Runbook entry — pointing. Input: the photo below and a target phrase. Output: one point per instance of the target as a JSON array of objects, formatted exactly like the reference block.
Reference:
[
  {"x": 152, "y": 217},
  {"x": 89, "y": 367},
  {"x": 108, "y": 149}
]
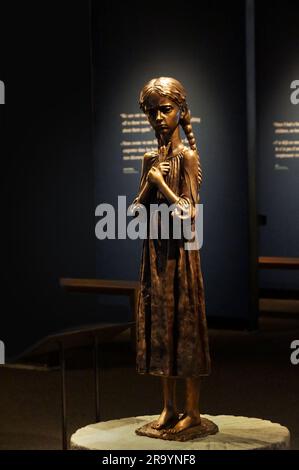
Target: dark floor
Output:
[{"x": 252, "y": 375}]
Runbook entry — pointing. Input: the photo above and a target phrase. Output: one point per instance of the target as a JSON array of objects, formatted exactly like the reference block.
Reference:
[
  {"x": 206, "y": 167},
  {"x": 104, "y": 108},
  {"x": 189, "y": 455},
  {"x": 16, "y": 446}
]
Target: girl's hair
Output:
[{"x": 174, "y": 90}]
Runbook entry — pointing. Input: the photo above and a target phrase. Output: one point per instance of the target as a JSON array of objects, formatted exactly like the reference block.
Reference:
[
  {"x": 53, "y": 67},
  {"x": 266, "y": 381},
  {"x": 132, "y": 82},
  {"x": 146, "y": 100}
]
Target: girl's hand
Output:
[
  {"x": 155, "y": 176},
  {"x": 164, "y": 167}
]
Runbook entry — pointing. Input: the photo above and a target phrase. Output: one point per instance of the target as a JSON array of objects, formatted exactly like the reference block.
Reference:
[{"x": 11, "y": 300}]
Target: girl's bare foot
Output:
[
  {"x": 187, "y": 421},
  {"x": 167, "y": 417}
]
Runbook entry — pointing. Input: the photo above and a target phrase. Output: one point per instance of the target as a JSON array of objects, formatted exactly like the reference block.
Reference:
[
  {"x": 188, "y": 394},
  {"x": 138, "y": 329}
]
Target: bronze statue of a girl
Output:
[{"x": 172, "y": 339}]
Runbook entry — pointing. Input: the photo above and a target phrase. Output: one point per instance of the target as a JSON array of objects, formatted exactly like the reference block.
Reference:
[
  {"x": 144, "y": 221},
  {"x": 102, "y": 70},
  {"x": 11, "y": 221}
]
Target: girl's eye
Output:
[{"x": 166, "y": 109}]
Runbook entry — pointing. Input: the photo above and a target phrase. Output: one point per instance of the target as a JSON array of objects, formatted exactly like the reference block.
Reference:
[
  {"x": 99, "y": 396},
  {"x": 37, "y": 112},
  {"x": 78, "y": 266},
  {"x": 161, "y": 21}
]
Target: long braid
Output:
[{"x": 187, "y": 128}]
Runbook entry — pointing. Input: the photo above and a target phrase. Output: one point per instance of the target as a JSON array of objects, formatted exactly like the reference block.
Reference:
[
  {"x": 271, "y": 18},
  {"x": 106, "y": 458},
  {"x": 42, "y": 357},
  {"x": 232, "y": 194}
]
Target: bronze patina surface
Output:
[
  {"x": 204, "y": 429},
  {"x": 172, "y": 337}
]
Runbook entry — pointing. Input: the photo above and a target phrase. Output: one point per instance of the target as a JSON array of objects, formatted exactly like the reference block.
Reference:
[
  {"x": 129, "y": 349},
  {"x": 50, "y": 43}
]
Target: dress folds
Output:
[{"x": 172, "y": 338}]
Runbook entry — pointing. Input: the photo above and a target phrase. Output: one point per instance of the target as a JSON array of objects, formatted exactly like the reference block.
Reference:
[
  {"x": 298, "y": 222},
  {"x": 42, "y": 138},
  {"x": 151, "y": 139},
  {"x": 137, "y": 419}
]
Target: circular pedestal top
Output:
[{"x": 235, "y": 433}]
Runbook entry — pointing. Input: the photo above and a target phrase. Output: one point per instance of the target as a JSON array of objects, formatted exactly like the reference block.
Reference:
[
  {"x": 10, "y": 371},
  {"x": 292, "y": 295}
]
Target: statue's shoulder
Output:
[
  {"x": 150, "y": 155},
  {"x": 190, "y": 155},
  {"x": 149, "y": 158},
  {"x": 147, "y": 161}
]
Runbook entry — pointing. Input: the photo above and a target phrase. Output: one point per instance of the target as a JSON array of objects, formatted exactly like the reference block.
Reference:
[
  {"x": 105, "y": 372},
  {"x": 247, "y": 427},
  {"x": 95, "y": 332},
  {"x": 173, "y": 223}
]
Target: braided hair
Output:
[{"x": 174, "y": 90}]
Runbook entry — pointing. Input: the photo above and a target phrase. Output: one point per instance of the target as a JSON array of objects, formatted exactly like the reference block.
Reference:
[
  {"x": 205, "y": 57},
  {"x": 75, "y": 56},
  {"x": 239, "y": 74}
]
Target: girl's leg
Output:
[
  {"x": 191, "y": 416},
  {"x": 169, "y": 412}
]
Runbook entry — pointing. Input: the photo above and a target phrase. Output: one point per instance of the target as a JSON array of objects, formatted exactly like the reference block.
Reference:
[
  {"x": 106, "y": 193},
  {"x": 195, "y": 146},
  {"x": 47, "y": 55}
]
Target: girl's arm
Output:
[
  {"x": 149, "y": 162},
  {"x": 145, "y": 186},
  {"x": 155, "y": 177},
  {"x": 188, "y": 198}
]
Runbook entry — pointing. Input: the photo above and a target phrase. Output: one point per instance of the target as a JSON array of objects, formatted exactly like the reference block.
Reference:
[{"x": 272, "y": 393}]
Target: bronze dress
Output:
[{"x": 172, "y": 337}]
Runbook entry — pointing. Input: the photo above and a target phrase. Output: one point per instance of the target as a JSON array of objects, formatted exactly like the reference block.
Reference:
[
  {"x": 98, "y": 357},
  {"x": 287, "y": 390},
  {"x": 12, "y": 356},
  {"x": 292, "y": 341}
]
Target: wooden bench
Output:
[
  {"x": 276, "y": 300},
  {"x": 274, "y": 262},
  {"x": 110, "y": 287},
  {"x": 105, "y": 286}
]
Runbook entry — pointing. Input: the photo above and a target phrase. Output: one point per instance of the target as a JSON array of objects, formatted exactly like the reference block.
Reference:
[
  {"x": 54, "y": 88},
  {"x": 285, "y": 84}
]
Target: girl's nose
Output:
[{"x": 159, "y": 117}]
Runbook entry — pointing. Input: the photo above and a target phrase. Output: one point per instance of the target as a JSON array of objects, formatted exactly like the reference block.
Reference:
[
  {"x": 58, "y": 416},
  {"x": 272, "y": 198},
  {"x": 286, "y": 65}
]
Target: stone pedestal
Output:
[{"x": 235, "y": 433}]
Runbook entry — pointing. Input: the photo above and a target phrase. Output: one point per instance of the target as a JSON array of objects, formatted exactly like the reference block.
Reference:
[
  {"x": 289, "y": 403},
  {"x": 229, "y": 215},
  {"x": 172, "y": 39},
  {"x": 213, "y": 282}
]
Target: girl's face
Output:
[{"x": 163, "y": 114}]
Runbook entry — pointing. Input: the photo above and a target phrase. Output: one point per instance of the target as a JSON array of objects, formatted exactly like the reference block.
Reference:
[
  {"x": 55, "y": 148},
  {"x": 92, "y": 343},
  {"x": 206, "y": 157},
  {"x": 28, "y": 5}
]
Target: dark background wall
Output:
[
  {"x": 277, "y": 48},
  {"x": 207, "y": 53},
  {"x": 48, "y": 182},
  {"x": 53, "y": 176}
]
